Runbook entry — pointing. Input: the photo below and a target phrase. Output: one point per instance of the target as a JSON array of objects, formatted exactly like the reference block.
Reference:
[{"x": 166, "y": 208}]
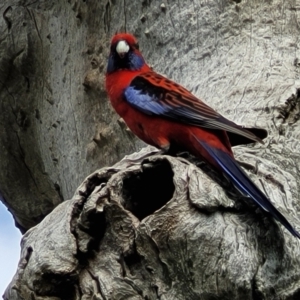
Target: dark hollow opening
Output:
[
  {"x": 96, "y": 229},
  {"x": 94, "y": 223},
  {"x": 147, "y": 191},
  {"x": 133, "y": 262},
  {"x": 62, "y": 286}
]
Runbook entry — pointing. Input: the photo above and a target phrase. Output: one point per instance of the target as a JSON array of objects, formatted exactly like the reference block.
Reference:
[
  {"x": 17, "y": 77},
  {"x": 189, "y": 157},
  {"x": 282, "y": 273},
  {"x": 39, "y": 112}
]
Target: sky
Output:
[{"x": 10, "y": 238}]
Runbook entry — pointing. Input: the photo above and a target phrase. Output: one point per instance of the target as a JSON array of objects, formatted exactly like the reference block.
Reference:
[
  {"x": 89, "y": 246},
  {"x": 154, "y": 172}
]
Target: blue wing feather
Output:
[
  {"x": 153, "y": 94},
  {"x": 146, "y": 94},
  {"x": 243, "y": 183}
]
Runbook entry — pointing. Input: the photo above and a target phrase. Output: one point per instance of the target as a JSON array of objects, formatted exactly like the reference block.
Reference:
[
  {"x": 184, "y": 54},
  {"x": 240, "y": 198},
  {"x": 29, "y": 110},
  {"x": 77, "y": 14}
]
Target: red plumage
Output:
[
  {"x": 155, "y": 130},
  {"x": 162, "y": 113}
]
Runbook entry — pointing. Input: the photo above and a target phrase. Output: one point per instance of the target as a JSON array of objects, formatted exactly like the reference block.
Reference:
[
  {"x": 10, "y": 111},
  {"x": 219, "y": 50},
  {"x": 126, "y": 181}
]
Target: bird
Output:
[{"x": 164, "y": 114}]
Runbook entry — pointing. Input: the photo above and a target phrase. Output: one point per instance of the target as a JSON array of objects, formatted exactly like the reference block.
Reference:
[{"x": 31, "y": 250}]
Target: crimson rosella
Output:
[{"x": 164, "y": 114}]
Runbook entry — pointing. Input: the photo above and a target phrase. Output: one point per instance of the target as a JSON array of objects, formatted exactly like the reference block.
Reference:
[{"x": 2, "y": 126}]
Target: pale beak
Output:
[{"x": 122, "y": 48}]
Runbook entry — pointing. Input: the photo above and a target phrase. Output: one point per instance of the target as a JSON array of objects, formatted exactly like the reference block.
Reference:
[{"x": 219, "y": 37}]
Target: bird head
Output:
[{"x": 124, "y": 54}]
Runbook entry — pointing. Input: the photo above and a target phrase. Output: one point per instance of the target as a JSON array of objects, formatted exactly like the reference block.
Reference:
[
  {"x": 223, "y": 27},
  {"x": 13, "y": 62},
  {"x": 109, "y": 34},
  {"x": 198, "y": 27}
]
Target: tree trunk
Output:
[{"x": 151, "y": 226}]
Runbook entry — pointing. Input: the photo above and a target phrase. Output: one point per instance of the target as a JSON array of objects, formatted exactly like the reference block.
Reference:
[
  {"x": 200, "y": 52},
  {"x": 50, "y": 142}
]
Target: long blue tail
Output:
[{"x": 241, "y": 181}]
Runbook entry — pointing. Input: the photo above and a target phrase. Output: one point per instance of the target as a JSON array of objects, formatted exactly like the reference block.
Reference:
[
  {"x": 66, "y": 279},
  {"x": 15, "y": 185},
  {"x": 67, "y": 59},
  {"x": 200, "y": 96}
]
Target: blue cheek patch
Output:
[
  {"x": 110, "y": 65},
  {"x": 135, "y": 61},
  {"x": 132, "y": 62}
]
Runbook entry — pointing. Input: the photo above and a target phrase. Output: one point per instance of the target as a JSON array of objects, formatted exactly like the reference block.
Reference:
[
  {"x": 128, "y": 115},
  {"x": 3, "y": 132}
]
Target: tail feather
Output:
[{"x": 241, "y": 181}]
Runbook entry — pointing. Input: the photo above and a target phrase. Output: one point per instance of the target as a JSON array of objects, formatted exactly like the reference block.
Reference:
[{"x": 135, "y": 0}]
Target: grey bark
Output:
[
  {"x": 56, "y": 123},
  {"x": 56, "y": 126},
  {"x": 156, "y": 227}
]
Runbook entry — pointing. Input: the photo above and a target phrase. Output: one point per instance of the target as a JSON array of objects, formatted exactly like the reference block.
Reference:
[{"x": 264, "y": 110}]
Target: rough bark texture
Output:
[
  {"x": 56, "y": 124},
  {"x": 56, "y": 127},
  {"x": 156, "y": 227}
]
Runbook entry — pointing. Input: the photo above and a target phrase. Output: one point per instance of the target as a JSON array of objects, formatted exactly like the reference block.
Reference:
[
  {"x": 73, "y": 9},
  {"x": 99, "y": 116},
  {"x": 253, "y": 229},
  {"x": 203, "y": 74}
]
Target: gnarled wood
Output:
[
  {"x": 157, "y": 227},
  {"x": 56, "y": 127}
]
